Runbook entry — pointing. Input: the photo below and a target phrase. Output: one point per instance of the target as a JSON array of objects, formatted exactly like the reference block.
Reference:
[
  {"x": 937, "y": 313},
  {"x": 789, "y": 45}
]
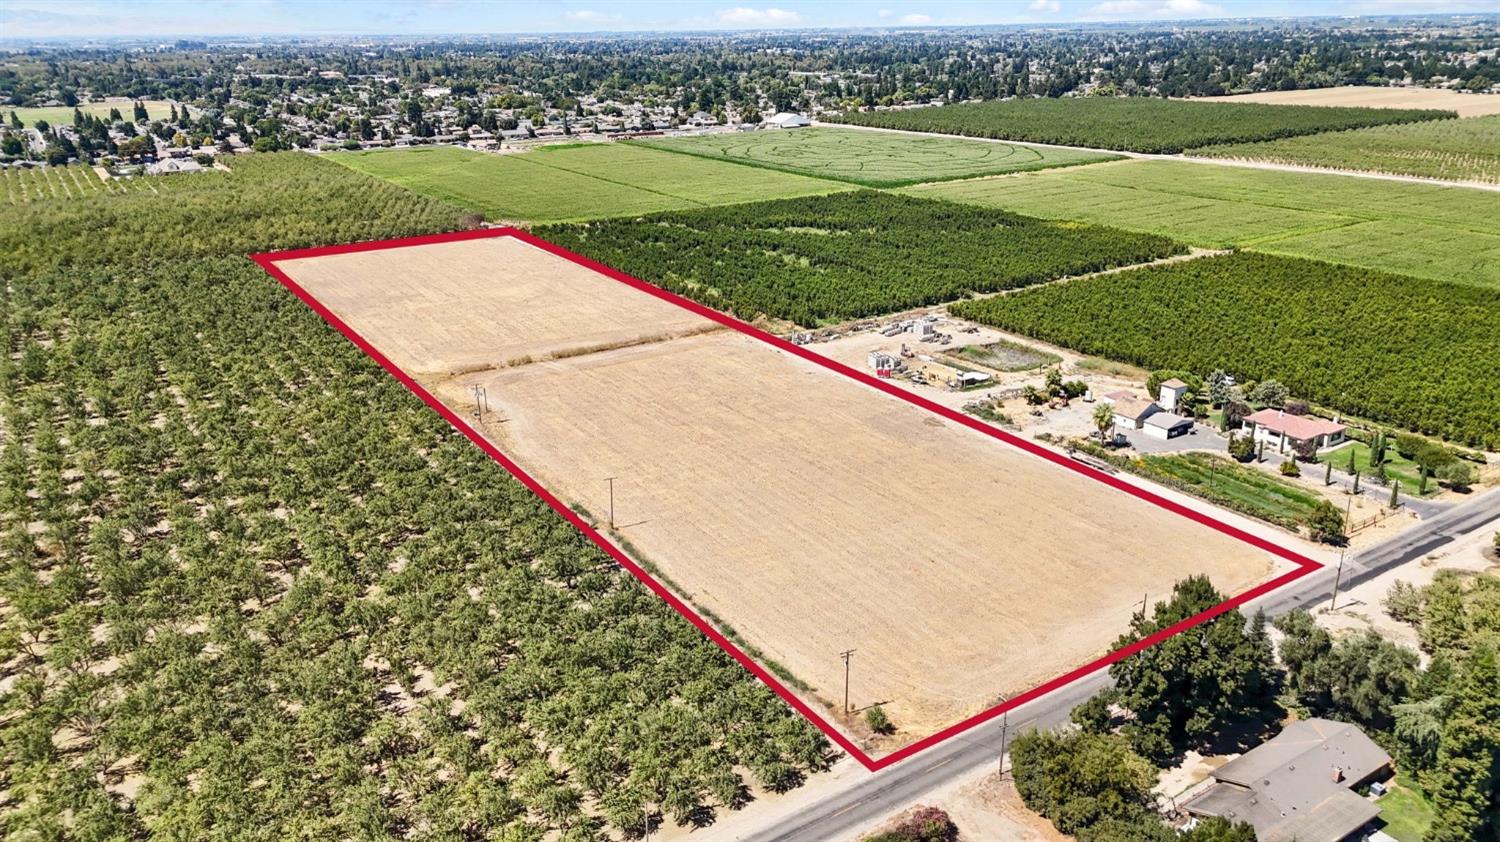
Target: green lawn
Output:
[
  {"x": 1429, "y": 231},
  {"x": 1397, "y": 467},
  {"x": 1406, "y": 811},
  {"x": 874, "y": 159},
  {"x": 58, "y": 114},
  {"x": 1464, "y": 150},
  {"x": 578, "y": 181}
]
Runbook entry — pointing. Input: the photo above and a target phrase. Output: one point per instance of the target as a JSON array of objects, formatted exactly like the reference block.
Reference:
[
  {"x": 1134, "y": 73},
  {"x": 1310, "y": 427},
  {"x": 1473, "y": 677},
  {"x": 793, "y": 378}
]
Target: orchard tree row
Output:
[
  {"x": 1416, "y": 354},
  {"x": 849, "y": 255},
  {"x": 1138, "y": 124},
  {"x": 254, "y": 588}
]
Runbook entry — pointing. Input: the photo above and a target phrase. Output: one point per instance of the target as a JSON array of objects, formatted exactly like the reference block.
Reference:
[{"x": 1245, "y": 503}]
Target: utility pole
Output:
[
  {"x": 846, "y": 654},
  {"x": 1004, "y": 728},
  {"x": 1333, "y": 603},
  {"x": 611, "y": 481},
  {"x": 481, "y": 401},
  {"x": 1143, "y": 604}
]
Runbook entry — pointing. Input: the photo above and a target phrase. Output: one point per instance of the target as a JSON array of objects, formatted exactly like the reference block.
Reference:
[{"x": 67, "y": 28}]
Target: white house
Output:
[
  {"x": 1131, "y": 413},
  {"x": 787, "y": 120},
  {"x": 1285, "y": 432},
  {"x": 1169, "y": 393}
]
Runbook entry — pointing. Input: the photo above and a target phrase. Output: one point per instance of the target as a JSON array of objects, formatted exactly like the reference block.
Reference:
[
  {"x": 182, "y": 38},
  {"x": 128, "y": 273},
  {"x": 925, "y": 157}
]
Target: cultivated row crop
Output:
[
  {"x": 1137, "y": 124},
  {"x": 1418, "y": 354},
  {"x": 849, "y": 255},
  {"x": 1461, "y": 150}
]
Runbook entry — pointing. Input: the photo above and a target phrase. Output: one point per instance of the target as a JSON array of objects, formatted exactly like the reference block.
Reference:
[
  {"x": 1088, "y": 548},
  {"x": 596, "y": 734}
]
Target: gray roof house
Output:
[{"x": 1299, "y": 786}]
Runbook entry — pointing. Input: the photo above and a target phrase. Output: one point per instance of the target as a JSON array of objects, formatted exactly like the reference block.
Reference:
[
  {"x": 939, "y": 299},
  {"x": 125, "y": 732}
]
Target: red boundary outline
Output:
[{"x": 1304, "y": 565}]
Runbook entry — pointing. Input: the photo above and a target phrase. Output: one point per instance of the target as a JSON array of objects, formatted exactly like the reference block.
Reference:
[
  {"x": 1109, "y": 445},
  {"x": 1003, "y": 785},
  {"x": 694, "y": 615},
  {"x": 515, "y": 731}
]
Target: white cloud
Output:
[
  {"x": 591, "y": 16},
  {"x": 1156, "y": 8},
  {"x": 916, "y": 19},
  {"x": 1049, "y": 6},
  {"x": 884, "y": 13},
  {"x": 758, "y": 17}
]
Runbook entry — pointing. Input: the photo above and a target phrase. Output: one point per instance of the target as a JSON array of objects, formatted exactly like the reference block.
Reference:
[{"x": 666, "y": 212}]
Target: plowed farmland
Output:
[{"x": 806, "y": 511}]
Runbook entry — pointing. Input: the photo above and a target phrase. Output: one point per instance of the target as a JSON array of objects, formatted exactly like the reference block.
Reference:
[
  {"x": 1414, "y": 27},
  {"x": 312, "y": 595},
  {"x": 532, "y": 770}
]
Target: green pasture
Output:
[
  {"x": 576, "y": 181},
  {"x": 156, "y": 109},
  {"x": 874, "y": 159},
  {"x": 1430, "y": 231}
]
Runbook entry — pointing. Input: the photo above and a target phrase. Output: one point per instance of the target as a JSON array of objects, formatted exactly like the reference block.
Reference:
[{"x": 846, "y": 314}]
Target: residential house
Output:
[
  {"x": 1287, "y": 432},
  {"x": 1300, "y": 784}
]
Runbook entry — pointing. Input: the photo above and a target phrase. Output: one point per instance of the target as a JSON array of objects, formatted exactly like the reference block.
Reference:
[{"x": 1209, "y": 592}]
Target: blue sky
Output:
[{"x": 92, "y": 18}]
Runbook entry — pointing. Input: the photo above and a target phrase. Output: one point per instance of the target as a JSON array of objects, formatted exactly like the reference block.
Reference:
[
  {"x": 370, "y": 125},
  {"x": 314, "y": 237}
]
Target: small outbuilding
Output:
[
  {"x": 1165, "y": 425},
  {"x": 1131, "y": 413},
  {"x": 787, "y": 120},
  {"x": 1170, "y": 393}
]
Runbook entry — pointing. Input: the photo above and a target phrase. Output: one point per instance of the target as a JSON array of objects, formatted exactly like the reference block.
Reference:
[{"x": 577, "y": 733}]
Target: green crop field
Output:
[
  {"x": 874, "y": 159},
  {"x": 60, "y": 114},
  {"x": 576, "y": 181},
  {"x": 1430, "y": 231},
  {"x": 1137, "y": 124},
  {"x": 1459, "y": 150},
  {"x": 1413, "y": 353},
  {"x": 849, "y": 255}
]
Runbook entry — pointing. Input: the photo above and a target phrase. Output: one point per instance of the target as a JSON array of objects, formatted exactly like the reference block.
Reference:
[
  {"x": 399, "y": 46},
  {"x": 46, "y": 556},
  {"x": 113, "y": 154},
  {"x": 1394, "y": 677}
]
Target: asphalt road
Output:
[{"x": 892, "y": 789}]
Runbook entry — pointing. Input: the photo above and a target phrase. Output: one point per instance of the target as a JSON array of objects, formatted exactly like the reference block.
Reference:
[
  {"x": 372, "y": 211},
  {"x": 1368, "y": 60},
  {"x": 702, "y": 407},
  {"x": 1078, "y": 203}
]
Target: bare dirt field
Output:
[
  {"x": 808, "y": 511},
  {"x": 1467, "y": 105},
  {"x": 449, "y": 307}
]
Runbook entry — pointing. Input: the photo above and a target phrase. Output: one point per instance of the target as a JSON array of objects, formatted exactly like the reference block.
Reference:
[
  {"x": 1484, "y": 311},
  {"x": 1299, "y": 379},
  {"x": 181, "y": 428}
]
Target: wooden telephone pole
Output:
[
  {"x": 846, "y": 654},
  {"x": 1333, "y": 603}
]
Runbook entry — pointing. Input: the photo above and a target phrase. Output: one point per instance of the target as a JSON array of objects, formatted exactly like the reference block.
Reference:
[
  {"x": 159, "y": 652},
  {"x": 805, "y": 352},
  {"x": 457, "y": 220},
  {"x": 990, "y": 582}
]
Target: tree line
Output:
[
  {"x": 848, "y": 255},
  {"x": 1413, "y": 353}
]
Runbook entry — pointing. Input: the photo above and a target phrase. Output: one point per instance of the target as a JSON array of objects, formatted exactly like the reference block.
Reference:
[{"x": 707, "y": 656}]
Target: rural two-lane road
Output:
[{"x": 892, "y": 789}]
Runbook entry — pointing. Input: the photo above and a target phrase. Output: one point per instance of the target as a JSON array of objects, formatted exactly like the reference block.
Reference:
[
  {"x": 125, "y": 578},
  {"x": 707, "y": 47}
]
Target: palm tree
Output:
[{"x": 1104, "y": 418}]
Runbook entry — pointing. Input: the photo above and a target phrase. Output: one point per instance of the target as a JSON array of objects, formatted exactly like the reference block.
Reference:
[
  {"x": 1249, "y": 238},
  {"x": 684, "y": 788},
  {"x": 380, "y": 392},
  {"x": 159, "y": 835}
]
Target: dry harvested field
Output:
[
  {"x": 1355, "y": 96},
  {"x": 440, "y": 310},
  {"x": 808, "y": 511}
]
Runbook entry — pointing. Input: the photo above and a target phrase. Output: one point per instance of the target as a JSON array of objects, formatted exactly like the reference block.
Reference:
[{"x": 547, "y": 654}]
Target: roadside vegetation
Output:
[
  {"x": 1396, "y": 350},
  {"x": 1223, "y": 482},
  {"x": 1458, "y": 150},
  {"x": 1136, "y": 124},
  {"x": 848, "y": 255},
  {"x": 1425, "y": 230},
  {"x": 255, "y": 586},
  {"x": 1222, "y": 686},
  {"x": 874, "y": 159}
]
